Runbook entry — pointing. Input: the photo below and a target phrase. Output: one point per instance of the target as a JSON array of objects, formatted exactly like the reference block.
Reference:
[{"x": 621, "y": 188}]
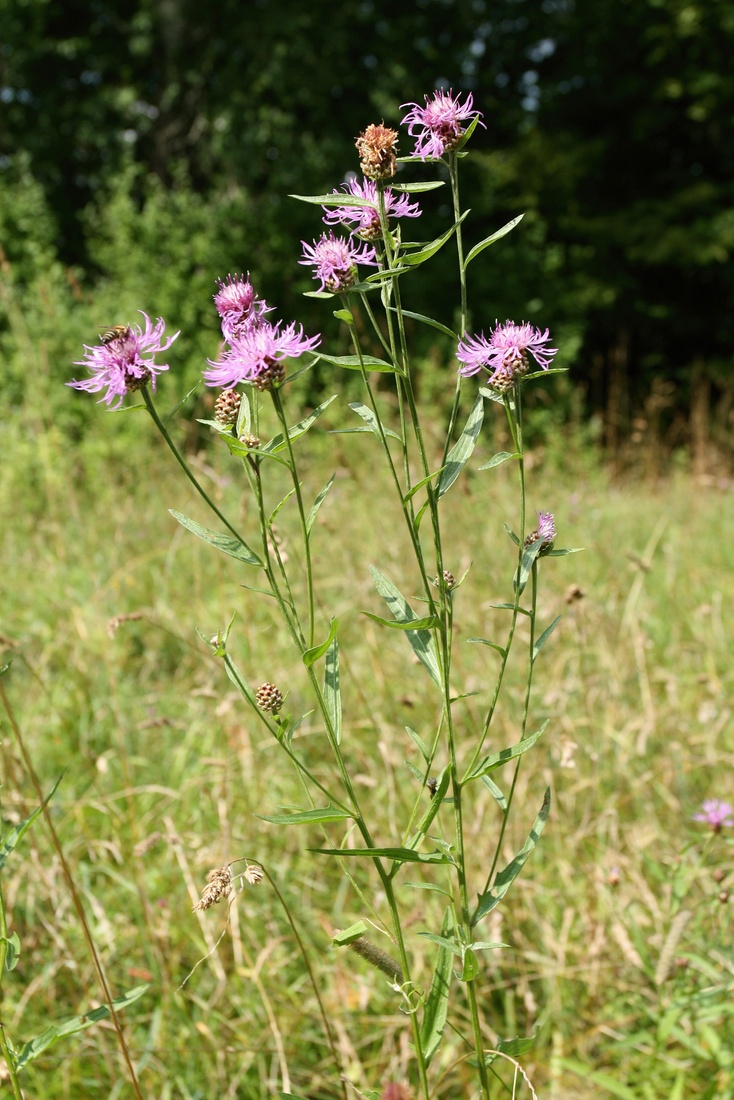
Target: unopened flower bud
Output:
[
  {"x": 269, "y": 698},
  {"x": 378, "y": 147},
  {"x": 227, "y": 406}
]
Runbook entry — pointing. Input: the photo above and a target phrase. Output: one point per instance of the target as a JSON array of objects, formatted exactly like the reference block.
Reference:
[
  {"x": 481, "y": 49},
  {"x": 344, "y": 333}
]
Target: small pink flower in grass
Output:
[
  {"x": 124, "y": 362},
  {"x": 238, "y": 305},
  {"x": 506, "y": 352},
  {"x": 335, "y": 260},
  {"x": 545, "y": 531},
  {"x": 365, "y": 220},
  {"x": 437, "y": 126},
  {"x": 716, "y": 814},
  {"x": 256, "y": 355}
]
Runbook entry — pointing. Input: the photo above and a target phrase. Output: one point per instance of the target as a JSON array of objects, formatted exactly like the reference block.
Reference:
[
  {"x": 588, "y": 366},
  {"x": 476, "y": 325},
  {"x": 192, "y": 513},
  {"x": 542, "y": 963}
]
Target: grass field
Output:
[{"x": 619, "y": 948}]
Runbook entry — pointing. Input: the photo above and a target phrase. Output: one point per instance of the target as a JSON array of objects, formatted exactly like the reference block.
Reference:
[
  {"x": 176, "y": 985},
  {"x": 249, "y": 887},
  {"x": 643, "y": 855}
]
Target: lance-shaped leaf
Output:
[
  {"x": 312, "y": 655},
  {"x": 52, "y": 1034},
  {"x": 17, "y": 833},
  {"x": 341, "y": 198},
  {"x": 306, "y": 817},
  {"x": 437, "y": 1002},
  {"x": 499, "y": 458},
  {"x": 527, "y": 561},
  {"x": 228, "y": 544},
  {"x": 418, "y": 740},
  {"x": 370, "y": 420},
  {"x": 277, "y": 443},
  {"x": 355, "y": 362},
  {"x": 490, "y": 240},
  {"x": 421, "y": 641},
  {"x": 428, "y": 321},
  {"x": 488, "y": 901},
  {"x": 412, "y": 259},
  {"x": 462, "y": 449},
  {"x": 317, "y": 504},
  {"x": 415, "y": 188},
  {"x": 332, "y": 690},
  {"x": 419, "y": 485},
  {"x": 428, "y": 622},
  {"x": 545, "y": 636},
  {"x": 400, "y": 855},
  {"x": 437, "y": 797},
  {"x": 497, "y": 759}
]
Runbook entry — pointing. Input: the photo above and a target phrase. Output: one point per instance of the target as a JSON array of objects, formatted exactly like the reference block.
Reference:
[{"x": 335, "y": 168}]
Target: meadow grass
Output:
[{"x": 618, "y": 946}]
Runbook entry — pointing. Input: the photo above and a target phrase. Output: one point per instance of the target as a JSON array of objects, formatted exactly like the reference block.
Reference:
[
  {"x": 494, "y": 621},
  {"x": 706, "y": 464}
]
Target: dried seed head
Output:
[
  {"x": 227, "y": 406},
  {"x": 219, "y": 884},
  {"x": 269, "y": 698},
  {"x": 378, "y": 147},
  {"x": 253, "y": 874}
]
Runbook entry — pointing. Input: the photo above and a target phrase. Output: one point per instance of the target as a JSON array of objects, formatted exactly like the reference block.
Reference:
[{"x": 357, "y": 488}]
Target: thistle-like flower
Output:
[
  {"x": 716, "y": 814},
  {"x": 505, "y": 353},
  {"x": 124, "y": 361},
  {"x": 335, "y": 259},
  {"x": 437, "y": 126},
  {"x": 378, "y": 149},
  {"x": 365, "y": 220},
  {"x": 256, "y": 355},
  {"x": 546, "y": 530},
  {"x": 238, "y": 305}
]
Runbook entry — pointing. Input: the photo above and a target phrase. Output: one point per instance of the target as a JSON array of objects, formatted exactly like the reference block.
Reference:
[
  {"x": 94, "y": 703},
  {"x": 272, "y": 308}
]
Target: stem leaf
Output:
[
  {"x": 503, "y": 881},
  {"x": 400, "y": 855},
  {"x": 370, "y": 420},
  {"x": 421, "y": 641},
  {"x": 228, "y": 544},
  {"x": 356, "y": 362},
  {"x": 412, "y": 259},
  {"x": 18, "y": 831},
  {"x": 507, "y": 228},
  {"x": 312, "y": 655},
  {"x": 496, "y": 793},
  {"x": 416, "y": 188},
  {"x": 437, "y": 1002},
  {"x": 431, "y": 810},
  {"x": 428, "y": 321},
  {"x": 418, "y": 740},
  {"x": 332, "y": 690},
  {"x": 430, "y": 622},
  {"x": 459, "y": 454},
  {"x": 497, "y": 759},
  {"x": 529, "y": 555},
  {"x": 277, "y": 443},
  {"x": 317, "y": 504},
  {"x": 485, "y": 641},
  {"x": 498, "y": 459},
  {"x": 306, "y": 817},
  {"x": 545, "y": 636}
]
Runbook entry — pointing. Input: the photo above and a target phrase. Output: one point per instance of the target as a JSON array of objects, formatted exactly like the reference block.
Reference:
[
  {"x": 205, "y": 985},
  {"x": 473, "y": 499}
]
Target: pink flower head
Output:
[
  {"x": 256, "y": 354},
  {"x": 335, "y": 260},
  {"x": 365, "y": 220},
  {"x": 716, "y": 814},
  {"x": 238, "y": 305},
  {"x": 546, "y": 526},
  {"x": 505, "y": 354},
  {"x": 437, "y": 126},
  {"x": 123, "y": 361}
]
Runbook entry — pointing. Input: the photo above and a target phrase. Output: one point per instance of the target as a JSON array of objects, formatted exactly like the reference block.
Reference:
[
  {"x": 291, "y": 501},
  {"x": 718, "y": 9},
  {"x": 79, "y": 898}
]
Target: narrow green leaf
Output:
[
  {"x": 348, "y": 935},
  {"x": 563, "y": 553},
  {"x": 418, "y": 740},
  {"x": 511, "y": 607},
  {"x": 545, "y": 636},
  {"x": 415, "y": 772},
  {"x": 485, "y": 641},
  {"x": 497, "y": 759},
  {"x": 429, "y": 622},
  {"x": 317, "y": 504},
  {"x": 428, "y": 321},
  {"x": 503, "y": 881},
  {"x": 529, "y": 555},
  {"x": 332, "y": 691},
  {"x": 514, "y": 1047},
  {"x": 340, "y": 198},
  {"x": 239, "y": 681},
  {"x": 312, "y": 655},
  {"x": 507, "y": 228},
  {"x": 354, "y": 362},
  {"x": 18, "y": 831},
  {"x": 370, "y": 420},
  {"x": 467, "y": 134},
  {"x": 345, "y": 315},
  {"x": 470, "y": 966},
  {"x": 431, "y": 810},
  {"x": 277, "y": 443},
  {"x": 31, "y": 1050},
  {"x": 512, "y": 534},
  {"x": 419, "y": 515},
  {"x": 412, "y": 259},
  {"x": 428, "y": 886},
  {"x": 306, "y": 817},
  {"x": 459, "y": 454},
  {"x": 496, "y": 793},
  {"x": 400, "y": 855},
  {"x": 286, "y": 735},
  {"x": 421, "y": 641},
  {"x": 437, "y": 1003},
  {"x": 416, "y": 188},
  {"x": 484, "y": 945},
  {"x": 500, "y": 457},
  {"x": 419, "y": 484},
  {"x": 448, "y": 942},
  {"x": 12, "y": 951},
  {"x": 228, "y": 544},
  {"x": 274, "y": 513}
]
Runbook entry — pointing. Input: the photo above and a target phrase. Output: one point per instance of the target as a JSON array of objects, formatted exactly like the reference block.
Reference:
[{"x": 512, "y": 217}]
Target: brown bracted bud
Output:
[
  {"x": 269, "y": 698},
  {"x": 219, "y": 884},
  {"x": 227, "y": 406},
  {"x": 271, "y": 376},
  {"x": 378, "y": 147}
]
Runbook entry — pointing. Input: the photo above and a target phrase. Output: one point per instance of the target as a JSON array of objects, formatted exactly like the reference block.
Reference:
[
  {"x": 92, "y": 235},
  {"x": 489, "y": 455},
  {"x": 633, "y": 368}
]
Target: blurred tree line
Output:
[{"x": 148, "y": 146}]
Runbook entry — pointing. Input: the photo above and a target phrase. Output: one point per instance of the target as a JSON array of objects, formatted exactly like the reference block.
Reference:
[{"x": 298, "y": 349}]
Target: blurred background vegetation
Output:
[{"x": 148, "y": 147}]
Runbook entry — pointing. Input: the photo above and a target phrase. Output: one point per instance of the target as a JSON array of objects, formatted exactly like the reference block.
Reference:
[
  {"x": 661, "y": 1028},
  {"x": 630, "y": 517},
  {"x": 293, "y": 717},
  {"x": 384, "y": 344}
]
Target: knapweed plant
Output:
[{"x": 363, "y": 265}]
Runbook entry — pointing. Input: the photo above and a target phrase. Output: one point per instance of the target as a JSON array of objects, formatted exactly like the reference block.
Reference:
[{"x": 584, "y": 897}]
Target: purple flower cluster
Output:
[
  {"x": 505, "y": 353},
  {"x": 256, "y": 348},
  {"x": 365, "y": 220},
  {"x": 335, "y": 259},
  {"x": 716, "y": 814},
  {"x": 123, "y": 361},
  {"x": 437, "y": 126}
]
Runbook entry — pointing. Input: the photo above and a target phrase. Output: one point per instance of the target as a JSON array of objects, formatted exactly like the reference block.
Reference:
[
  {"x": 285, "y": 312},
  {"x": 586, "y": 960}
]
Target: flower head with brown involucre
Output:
[{"x": 124, "y": 362}]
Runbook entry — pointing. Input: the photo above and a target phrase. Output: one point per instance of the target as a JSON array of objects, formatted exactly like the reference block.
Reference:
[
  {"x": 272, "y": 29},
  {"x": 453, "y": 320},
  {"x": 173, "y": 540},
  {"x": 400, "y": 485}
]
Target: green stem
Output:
[{"x": 4, "y": 1045}]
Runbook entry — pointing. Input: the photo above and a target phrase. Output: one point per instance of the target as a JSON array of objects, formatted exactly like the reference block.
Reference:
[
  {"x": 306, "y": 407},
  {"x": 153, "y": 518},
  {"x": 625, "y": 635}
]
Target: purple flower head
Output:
[
  {"x": 365, "y": 220},
  {"x": 238, "y": 305},
  {"x": 716, "y": 814},
  {"x": 256, "y": 355},
  {"x": 546, "y": 531},
  {"x": 335, "y": 260},
  {"x": 437, "y": 126},
  {"x": 505, "y": 354},
  {"x": 123, "y": 361}
]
